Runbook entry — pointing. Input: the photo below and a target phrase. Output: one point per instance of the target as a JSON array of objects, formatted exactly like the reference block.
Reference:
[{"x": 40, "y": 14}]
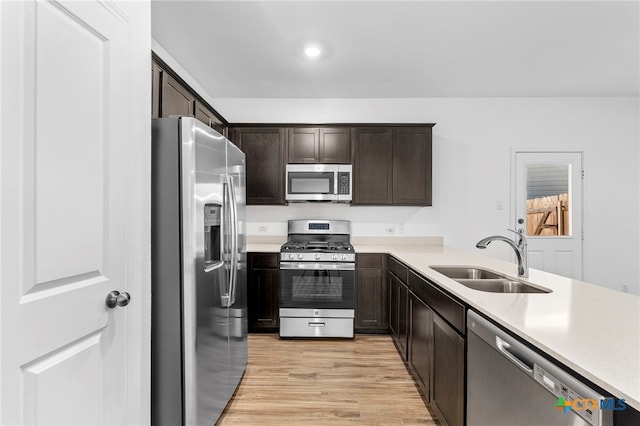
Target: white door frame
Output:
[{"x": 513, "y": 187}]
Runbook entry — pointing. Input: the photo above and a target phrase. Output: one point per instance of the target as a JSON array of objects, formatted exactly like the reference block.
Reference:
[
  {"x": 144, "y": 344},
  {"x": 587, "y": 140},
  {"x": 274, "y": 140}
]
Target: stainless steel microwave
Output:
[{"x": 319, "y": 182}]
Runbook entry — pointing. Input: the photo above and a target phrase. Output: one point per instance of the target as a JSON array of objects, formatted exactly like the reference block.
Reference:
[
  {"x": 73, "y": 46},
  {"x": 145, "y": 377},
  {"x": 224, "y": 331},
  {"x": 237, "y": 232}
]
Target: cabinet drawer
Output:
[
  {"x": 264, "y": 260},
  {"x": 370, "y": 261},
  {"x": 446, "y": 306},
  {"x": 316, "y": 327},
  {"x": 398, "y": 269}
]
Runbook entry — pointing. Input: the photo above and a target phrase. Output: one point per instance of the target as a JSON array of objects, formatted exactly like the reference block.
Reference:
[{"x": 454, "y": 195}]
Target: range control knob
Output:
[
  {"x": 291, "y": 256},
  {"x": 344, "y": 257},
  {"x": 300, "y": 256},
  {"x": 334, "y": 257},
  {"x": 317, "y": 256}
]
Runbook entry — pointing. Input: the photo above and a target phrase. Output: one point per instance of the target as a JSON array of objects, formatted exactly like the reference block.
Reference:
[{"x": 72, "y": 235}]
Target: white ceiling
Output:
[{"x": 399, "y": 49}]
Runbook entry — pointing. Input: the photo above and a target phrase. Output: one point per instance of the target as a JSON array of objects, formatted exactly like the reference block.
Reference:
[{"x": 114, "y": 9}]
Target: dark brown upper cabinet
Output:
[
  {"x": 319, "y": 145},
  {"x": 335, "y": 145},
  {"x": 170, "y": 95},
  {"x": 176, "y": 99},
  {"x": 264, "y": 149},
  {"x": 303, "y": 145},
  {"x": 392, "y": 166},
  {"x": 372, "y": 166},
  {"x": 412, "y": 166},
  {"x": 204, "y": 114},
  {"x": 156, "y": 75}
]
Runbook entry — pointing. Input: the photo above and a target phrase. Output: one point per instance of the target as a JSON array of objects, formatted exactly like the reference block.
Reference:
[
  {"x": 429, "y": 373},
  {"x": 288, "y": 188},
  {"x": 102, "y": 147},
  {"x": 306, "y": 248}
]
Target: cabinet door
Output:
[
  {"x": 303, "y": 145},
  {"x": 372, "y": 168},
  {"x": 176, "y": 99},
  {"x": 398, "y": 314},
  {"x": 263, "y": 292},
  {"x": 448, "y": 372},
  {"x": 204, "y": 114},
  {"x": 372, "y": 314},
  {"x": 420, "y": 347},
  {"x": 264, "y": 150},
  {"x": 392, "y": 282},
  {"x": 156, "y": 78},
  {"x": 210, "y": 118},
  {"x": 412, "y": 166},
  {"x": 403, "y": 303},
  {"x": 335, "y": 146}
]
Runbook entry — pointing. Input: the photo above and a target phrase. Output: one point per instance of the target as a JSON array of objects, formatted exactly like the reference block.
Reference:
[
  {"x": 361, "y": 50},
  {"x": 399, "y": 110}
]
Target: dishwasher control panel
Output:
[{"x": 587, "y": 408}]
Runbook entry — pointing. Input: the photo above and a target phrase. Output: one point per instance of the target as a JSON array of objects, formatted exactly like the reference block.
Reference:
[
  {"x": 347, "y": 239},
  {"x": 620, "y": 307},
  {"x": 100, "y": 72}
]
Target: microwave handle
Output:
[{"x": 336, "y": 184}]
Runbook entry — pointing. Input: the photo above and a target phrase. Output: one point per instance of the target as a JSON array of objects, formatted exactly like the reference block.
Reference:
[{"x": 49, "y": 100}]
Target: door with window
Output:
[{"x": 548, "y": 206}]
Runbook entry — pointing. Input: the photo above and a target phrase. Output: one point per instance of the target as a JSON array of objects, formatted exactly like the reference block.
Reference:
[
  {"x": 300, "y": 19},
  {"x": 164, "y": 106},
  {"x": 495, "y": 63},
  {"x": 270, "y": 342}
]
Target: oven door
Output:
[{"x": 323, "y": 285}]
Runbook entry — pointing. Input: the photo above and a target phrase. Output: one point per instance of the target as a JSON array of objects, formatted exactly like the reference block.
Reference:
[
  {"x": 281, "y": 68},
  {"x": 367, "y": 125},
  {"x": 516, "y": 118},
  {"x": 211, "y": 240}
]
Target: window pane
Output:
[{"x": 548, "y": 200}]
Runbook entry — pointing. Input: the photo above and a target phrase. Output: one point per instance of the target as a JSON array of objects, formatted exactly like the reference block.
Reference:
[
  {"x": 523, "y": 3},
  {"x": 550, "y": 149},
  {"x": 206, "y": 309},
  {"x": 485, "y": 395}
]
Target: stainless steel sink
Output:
[
  {"x": 485, "y": 280},
  {"x": 465, "y": 272}
]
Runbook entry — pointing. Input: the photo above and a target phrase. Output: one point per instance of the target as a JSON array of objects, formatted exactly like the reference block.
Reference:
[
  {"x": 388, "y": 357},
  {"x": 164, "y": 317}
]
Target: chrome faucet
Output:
[{"x": 519, "y": 246}]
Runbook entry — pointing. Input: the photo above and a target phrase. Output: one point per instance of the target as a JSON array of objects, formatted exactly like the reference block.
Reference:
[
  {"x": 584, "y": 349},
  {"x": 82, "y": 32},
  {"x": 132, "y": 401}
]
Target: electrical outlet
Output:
[
  {"x": 390, "y": 229},
  {"x": 499, "y": 205},
  {"x": 625, "y": 288},
  {"x": 262, "y": 228},
  {"x": 401, "y": 228}
]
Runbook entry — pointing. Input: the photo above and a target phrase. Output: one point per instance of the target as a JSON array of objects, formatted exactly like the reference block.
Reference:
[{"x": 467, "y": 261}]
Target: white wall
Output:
[{"x": 473, "y": 139}]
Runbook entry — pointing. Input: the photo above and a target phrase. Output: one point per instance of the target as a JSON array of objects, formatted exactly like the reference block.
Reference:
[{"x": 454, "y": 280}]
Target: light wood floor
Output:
[{"x": 318, "y": 382}]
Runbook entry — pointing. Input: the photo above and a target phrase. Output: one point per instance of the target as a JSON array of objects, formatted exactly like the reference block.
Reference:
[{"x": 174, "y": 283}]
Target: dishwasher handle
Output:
[{"x": 504, "y": 347}]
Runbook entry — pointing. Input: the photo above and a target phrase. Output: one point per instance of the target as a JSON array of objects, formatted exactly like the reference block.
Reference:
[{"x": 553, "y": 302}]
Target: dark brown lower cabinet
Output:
[
  {"x": 434, "y": 327},
  {"x": 420, "y": 347},
  {"x": 448, "y": 372},
  {"x": 263, "y": 289},
  {"x": 398, "y": 295},
  {"x": 372, "y": 314}
]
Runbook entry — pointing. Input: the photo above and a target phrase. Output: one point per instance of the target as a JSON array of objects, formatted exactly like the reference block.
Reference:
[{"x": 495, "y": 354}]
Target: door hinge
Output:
[{"x": 582, "y": 174}]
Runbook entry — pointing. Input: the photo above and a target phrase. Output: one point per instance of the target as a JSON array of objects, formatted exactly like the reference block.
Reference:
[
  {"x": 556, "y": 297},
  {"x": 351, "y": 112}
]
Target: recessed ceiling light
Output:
[{"x": 312, "y": 51}]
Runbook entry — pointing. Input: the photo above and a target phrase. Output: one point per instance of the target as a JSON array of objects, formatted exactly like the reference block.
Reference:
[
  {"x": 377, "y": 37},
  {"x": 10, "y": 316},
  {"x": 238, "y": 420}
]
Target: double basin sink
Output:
[{"x": 485, "y": 280}]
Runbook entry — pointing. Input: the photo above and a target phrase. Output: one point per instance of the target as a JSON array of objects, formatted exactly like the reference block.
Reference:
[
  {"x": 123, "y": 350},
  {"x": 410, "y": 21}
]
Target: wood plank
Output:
[
  {"x": 542, "y": 210},
  {"x": 325, "y": 381}
]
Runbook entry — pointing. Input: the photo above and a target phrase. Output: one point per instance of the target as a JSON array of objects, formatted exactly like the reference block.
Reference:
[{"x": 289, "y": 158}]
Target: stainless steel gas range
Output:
[{"x": 317, "y": 280}]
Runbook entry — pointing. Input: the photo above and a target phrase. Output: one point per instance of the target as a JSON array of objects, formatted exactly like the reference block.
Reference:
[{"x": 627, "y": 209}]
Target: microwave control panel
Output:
[{"x": 344, "y": 183}]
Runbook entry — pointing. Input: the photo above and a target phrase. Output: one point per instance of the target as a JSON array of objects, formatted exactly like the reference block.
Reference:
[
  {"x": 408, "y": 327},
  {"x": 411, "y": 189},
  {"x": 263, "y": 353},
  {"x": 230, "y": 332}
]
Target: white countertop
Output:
[{"x": 591, "y": 329}]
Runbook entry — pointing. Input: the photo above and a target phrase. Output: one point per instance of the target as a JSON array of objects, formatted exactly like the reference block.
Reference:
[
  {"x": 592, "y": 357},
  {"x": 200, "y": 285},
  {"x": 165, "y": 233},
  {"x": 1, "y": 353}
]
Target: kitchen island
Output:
[{"x": 590, "y": 329}]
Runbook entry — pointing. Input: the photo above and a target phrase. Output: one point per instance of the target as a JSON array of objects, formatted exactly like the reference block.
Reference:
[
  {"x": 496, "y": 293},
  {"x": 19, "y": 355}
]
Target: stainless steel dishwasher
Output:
[{"x": 509, "y": 384}]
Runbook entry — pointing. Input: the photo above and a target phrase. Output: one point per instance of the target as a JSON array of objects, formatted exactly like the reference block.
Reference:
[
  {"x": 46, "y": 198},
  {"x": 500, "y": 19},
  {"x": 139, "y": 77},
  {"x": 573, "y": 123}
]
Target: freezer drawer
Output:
[{"x": 316, "y": 327}]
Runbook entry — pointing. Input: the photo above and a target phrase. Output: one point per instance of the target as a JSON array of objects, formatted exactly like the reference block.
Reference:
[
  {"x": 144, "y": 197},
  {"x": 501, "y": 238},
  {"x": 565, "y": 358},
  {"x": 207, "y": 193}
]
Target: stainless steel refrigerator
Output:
[{"x": 199, "y": 302}]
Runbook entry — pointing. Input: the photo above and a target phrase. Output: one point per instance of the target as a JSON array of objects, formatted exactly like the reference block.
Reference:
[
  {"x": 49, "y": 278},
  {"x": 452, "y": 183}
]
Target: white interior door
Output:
[
  {"x": 548, "y": 205},
  {"x": 66, "y": 196}
]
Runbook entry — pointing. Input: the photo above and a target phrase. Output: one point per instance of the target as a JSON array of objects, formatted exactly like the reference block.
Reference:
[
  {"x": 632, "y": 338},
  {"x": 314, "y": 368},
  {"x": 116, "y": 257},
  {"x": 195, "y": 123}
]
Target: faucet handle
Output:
[{"x": 521, "y": 237}]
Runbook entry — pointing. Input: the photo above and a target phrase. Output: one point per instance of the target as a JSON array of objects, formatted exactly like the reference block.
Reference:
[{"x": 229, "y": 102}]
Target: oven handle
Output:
[{"x": 318, "y": 266}]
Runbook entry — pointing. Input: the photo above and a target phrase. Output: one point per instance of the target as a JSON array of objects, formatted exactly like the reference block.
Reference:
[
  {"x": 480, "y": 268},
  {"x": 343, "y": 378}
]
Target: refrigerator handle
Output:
[
  {"x": 225, "y": 242},
  {"x": 234, "y": 242}
]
